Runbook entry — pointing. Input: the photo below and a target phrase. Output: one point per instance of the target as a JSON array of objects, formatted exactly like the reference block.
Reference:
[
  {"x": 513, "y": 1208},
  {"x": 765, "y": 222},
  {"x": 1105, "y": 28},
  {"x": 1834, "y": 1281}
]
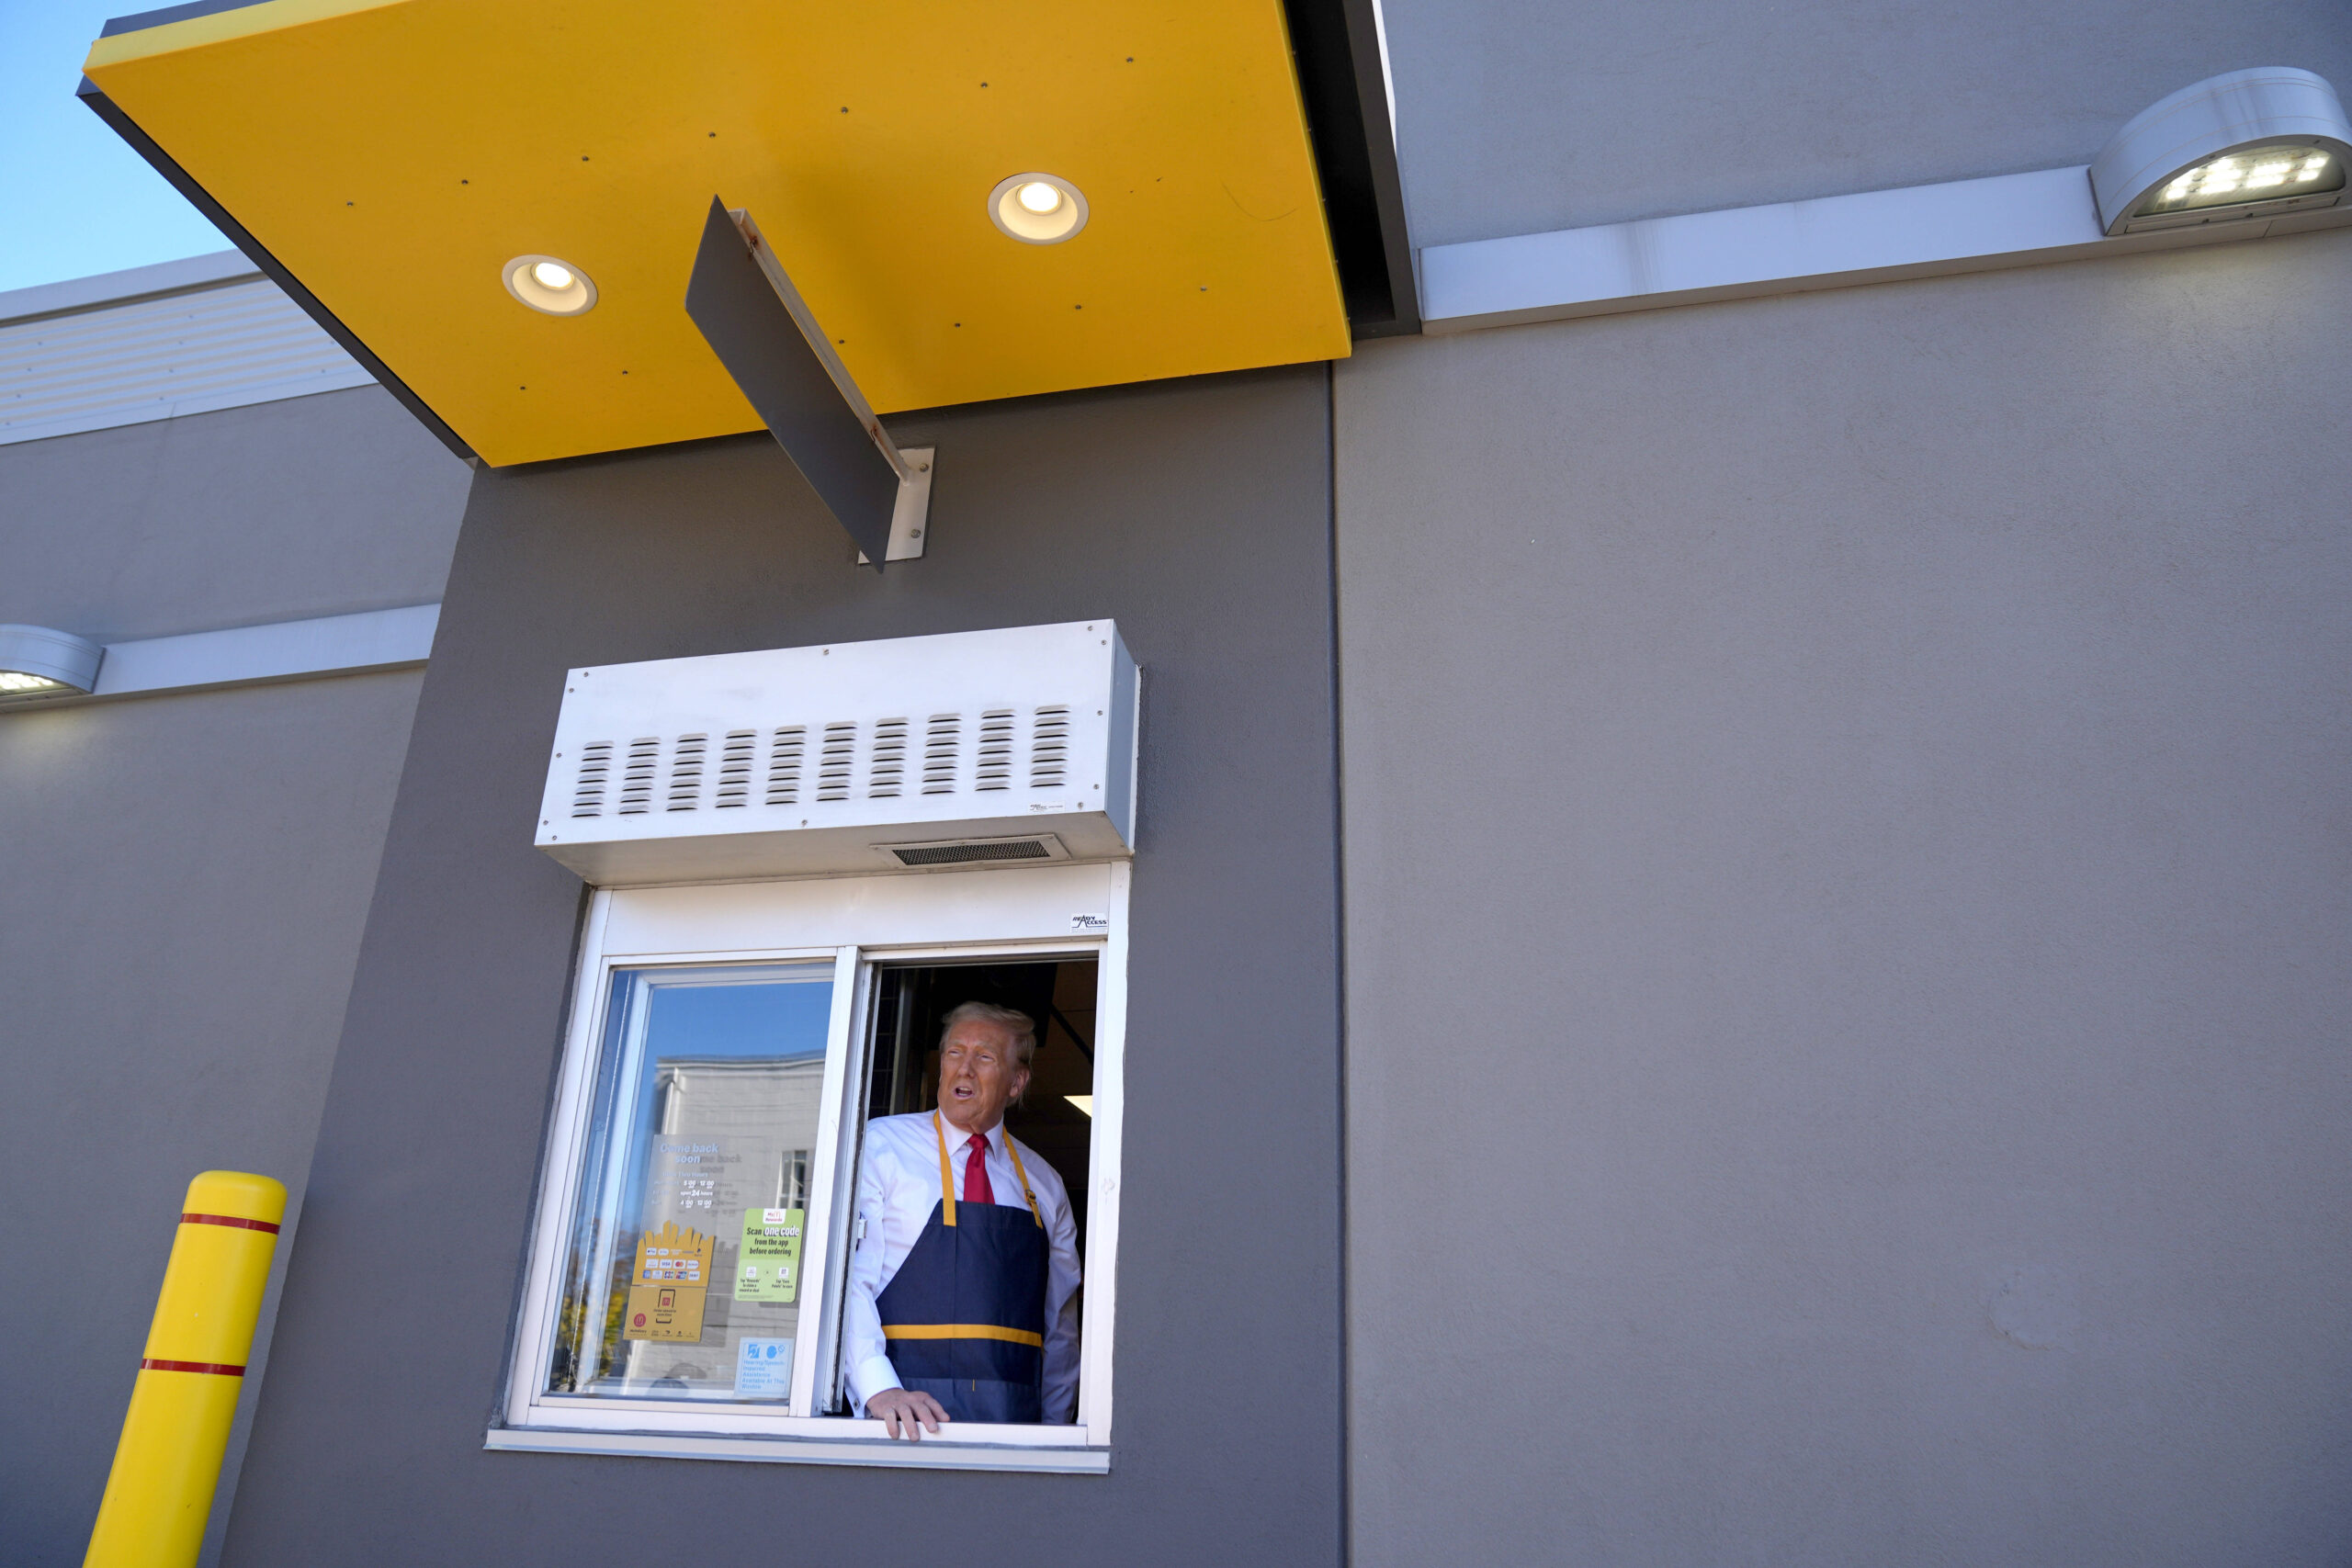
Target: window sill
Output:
[{"x": 932, "y": 1454}]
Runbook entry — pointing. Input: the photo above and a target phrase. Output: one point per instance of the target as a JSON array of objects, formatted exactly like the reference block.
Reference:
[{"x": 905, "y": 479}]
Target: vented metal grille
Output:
[
  {"x": 637, "y": 778},
  {"x": 588, "y": 790},
  {"x": 889, "y": 767},
  {"x": 767, "y": 766},
  {"x": 784, "y": 765},
  {"x": 941, "y": 742},
  {"x": 996, "y": 749},
  {"x": 1005, "y": 753},
  {"x": 835, "y": 763},
  {"x": 965, "y": 854},
  {"x": 735, "y": 768},
  {"x": 685, "y": 771},
  {"x": 1048, "y": 748}
]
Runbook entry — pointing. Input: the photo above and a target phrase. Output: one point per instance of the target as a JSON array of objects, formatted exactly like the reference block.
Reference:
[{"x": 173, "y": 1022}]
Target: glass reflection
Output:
[{"x": 684, "y": 1259}]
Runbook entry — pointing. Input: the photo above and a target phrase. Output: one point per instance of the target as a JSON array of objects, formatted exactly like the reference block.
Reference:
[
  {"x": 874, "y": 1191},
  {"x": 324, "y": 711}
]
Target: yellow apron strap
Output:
[
  {"x": 947, "y": 1177},
  {"x": 1014, "y": 1150}
]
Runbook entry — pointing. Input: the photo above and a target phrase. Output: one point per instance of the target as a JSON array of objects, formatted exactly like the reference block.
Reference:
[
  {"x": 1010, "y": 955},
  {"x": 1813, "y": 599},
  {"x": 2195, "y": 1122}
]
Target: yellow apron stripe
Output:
[{"x": 961, "y": 1331}]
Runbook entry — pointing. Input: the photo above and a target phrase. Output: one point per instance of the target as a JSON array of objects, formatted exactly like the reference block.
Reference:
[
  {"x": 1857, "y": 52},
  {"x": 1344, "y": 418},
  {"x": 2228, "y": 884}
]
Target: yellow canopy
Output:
[{"x": 395, "y": 156}]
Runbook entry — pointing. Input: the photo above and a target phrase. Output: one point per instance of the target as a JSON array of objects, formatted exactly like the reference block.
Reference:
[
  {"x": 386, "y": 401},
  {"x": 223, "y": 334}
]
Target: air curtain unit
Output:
[{"x": 967, "y": 750}]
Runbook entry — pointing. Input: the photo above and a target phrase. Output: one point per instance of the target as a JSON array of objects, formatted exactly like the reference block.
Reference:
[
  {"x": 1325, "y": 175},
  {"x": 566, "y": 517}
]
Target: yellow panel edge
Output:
[{"x": 244, "y": 22}]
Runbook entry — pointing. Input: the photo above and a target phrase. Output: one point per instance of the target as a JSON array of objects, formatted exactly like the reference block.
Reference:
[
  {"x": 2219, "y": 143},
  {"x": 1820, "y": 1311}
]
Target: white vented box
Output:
[{"x": 971, "y": 750}]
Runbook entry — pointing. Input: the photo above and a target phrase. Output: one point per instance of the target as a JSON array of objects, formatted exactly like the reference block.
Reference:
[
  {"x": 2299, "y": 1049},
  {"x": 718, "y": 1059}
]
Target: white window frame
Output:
[{"x": 1069, "y": 909}]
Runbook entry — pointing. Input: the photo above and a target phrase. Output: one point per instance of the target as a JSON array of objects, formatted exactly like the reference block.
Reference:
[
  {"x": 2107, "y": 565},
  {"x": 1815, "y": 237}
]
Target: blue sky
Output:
[{"x": 73, "y": 199}]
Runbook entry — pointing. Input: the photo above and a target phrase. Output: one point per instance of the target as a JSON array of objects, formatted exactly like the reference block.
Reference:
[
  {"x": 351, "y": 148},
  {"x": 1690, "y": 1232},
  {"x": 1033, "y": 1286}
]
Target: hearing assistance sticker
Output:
[{"x": 763, "y": 1369}]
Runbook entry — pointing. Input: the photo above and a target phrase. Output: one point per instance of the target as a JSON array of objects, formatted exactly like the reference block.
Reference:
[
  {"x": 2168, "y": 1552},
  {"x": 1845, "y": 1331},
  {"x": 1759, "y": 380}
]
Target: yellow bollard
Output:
[{"x": 160, "y": 1491}]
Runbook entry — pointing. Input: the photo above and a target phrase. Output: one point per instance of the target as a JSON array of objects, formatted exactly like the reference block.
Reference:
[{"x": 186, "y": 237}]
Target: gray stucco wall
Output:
[
  {"x": 1846, "y": 903},
  {"x": 1198, "y": 515},
  {"x": 184, "y": 878},
  {"x": 277, "y": 512}
]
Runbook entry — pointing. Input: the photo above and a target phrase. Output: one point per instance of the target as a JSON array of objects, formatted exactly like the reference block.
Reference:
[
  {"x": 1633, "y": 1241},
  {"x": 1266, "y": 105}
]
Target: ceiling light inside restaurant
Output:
[
  {"x": 40, "y": 661},
  {"x": 548, "y": 284},
  {"x": 1037, "y": 210},
  {"x": 2246, "y": 144}
]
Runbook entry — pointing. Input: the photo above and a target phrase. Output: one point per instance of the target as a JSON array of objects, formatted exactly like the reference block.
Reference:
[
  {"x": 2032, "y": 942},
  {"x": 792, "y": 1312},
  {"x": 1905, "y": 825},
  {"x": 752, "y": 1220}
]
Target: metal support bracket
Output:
[{"x": 911, "y": 517}]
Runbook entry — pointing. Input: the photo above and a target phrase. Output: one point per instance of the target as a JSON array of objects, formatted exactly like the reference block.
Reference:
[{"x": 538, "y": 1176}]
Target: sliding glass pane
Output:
[{"x": 682, "y": 1267}]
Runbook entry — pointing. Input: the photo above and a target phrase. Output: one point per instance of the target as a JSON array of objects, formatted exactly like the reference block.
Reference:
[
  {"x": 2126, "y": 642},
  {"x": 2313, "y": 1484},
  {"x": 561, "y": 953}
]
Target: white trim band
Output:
[
  {"x": 283, "y": 650},
  {"x": 931, "y": 1453},
  {"x": 1792, "y": 247},
  {"x": 252, "y": 656}
]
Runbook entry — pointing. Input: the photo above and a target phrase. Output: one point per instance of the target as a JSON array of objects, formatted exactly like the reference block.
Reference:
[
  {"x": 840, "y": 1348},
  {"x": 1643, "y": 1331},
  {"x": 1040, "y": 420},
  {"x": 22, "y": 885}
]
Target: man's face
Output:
[{"x": 977, "y": 1078}]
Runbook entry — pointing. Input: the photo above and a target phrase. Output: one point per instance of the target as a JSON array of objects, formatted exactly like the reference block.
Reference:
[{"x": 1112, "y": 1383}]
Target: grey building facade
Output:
[
  {"x": 1906, "y": 928},
  {"x": 188, "y": 867},
  {"x": 1738, "y": 909}
]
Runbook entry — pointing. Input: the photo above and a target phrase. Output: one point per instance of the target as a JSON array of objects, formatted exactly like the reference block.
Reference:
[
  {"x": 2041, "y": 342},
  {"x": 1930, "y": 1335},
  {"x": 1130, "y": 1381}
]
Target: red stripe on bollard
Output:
[
  {"x": 228, "y": 1220},
  {"x": 149, "y": 1364}
]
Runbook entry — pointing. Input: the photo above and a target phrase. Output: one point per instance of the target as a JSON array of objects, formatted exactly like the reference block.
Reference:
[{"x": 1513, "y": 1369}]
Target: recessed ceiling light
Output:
[
  {"x": 1036, "y": 210},
  {"x": 552, "y": 286}
]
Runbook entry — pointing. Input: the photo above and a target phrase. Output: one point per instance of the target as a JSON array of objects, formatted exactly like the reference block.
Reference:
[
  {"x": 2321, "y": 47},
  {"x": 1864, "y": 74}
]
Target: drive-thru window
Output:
[{"x": 692, "y": 1284}]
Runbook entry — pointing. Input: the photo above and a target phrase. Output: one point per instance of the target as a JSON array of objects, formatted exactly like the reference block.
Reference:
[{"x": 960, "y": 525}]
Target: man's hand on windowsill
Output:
[{"x": 905, "y": 1413}]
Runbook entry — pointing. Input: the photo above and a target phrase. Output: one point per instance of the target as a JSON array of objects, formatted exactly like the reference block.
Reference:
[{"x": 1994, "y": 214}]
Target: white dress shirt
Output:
[{"x": 897, "y": 1185}]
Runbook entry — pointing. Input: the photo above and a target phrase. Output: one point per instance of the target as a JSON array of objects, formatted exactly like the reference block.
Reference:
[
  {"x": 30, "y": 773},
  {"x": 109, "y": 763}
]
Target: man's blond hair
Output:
[{"x": 1022, "y": 1029}]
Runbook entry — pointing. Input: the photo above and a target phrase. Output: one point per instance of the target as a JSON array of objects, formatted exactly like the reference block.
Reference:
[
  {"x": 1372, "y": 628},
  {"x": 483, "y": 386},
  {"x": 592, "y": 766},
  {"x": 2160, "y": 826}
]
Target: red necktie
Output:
[{"x": 976, "y": 1173}]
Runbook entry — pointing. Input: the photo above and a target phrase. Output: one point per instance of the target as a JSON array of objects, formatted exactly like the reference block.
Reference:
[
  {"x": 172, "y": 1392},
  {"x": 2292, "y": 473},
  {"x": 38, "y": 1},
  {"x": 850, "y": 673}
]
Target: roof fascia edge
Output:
[
  {"x": 1369, "y": 48},
  {"x": 1344, "y": 90},
  {"x": 140, "y": 21},
  {"x": 107, "y": 109},
  {"x": 130, "y": 286}
]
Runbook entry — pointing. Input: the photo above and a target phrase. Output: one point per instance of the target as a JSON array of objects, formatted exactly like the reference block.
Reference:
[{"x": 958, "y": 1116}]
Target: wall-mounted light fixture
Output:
[
  {"x": 2235, "y": 157},
  {"x": 1037, "y": 210},
  {"x": 40, "y": 661},
  {"x": 546, "y": 285},
  {"x": 2245, "y": 144}
]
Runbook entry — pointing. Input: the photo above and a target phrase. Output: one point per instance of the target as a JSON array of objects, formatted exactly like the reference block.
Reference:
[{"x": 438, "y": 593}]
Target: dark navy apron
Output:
[{"x": 965, "y": 1316}]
